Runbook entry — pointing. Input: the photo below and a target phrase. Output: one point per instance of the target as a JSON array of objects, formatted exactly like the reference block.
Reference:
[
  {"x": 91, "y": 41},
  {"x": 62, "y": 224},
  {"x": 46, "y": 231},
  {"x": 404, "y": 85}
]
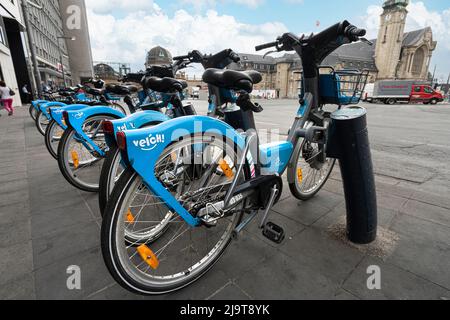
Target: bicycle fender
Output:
[
  {"x": 76, "y": 119},
  {"x": 135, "y": 121},
  {"x": 145, "y": 146},
  {"x": 36, "y": 103},
  {"x": 44, "y": 107},
  {"x": 57, "y": 113}
]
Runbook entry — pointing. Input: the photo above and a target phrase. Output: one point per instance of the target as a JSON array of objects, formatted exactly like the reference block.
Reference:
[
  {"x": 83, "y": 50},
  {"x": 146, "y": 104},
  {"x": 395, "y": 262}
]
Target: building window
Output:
[{"x": 418, "y": 62}]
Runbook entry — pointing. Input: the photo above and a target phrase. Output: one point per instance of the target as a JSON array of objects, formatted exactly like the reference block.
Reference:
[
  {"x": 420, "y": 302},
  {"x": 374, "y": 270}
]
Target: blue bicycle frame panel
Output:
[
  {"x": 144, "y": 147},
  {"x": 77, "y": 118}
]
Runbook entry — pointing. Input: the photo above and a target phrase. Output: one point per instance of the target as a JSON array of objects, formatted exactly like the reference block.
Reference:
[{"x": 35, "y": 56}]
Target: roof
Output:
[
  {"x": 256, "y": 58},
  {"x": 159, "y": 55},
  {"x": 351, "y": 55},
  {"x": 411, "y": 38}
]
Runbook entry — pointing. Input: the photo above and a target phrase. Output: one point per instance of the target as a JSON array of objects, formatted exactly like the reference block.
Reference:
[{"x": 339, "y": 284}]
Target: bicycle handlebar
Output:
[
  {"x": 267, "y": 46},
  {"x": 354, "y": 33},
  {"x": 287, "y": 41},
  {"x": 181, "y": 57}
]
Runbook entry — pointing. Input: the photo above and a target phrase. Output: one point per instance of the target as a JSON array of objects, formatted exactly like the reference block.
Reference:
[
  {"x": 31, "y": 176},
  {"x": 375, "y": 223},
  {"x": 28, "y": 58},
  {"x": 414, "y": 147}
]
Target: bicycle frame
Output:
[{"x": 144, "y": 147}]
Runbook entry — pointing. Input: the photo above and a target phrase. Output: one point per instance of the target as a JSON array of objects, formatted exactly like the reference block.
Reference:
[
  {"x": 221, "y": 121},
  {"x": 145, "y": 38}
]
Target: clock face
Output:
[
  {"x": 388, "y": 17},
  {"x": 402, "y": 16}
]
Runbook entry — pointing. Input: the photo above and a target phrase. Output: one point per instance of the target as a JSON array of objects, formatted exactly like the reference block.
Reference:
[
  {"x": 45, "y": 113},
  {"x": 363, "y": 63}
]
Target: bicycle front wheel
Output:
[
  {"x": 150, "y": 250},
  {"x": 308, "y": 171}
]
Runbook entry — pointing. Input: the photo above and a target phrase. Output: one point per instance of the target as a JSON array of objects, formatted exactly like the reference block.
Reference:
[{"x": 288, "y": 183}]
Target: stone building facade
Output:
[
  {"x": 61, "y": 39},
  {"x": 11, "y": 52}
]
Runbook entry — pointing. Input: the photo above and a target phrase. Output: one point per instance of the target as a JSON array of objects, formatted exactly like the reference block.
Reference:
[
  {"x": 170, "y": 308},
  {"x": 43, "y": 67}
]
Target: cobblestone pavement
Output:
[{"x": 40, "y": 238}]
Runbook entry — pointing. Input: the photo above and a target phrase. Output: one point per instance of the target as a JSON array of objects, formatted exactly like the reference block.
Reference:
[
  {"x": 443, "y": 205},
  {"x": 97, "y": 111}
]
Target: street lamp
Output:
[{"x": 61, "y": 56}]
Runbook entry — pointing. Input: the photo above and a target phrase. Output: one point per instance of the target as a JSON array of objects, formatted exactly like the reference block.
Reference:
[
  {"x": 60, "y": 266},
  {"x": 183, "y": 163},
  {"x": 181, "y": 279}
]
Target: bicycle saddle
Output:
[
  {"x": 165, "y": 85},
  {"x": 95, "y": 92},
  {"x": 119, "y": 89},
  {"x": 231, "y": 79}
]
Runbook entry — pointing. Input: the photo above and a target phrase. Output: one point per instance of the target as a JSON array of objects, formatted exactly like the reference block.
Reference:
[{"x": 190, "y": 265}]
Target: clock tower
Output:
[{"x": 390, "y": 38}]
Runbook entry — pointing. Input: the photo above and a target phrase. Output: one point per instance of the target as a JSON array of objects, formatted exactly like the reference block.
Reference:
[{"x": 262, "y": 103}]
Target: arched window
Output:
[{"x": 418, "y": 62}]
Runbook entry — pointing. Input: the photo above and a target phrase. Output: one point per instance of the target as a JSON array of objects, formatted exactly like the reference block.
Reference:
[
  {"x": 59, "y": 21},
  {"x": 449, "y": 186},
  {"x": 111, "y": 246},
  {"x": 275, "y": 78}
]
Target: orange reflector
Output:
[
  {"x": 300, "y": 175},
  {"x": 148, "y": 256},
  {"x": 75, "y": 159},
  {"x": 226, "y": 169},
  {"x": 130, "y": 217},
  {"x": 64, "y": 122}
]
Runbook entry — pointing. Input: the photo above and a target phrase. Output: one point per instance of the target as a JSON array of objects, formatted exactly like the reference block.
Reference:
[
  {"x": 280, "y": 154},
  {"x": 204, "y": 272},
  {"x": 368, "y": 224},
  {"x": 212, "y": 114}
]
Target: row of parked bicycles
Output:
[{"x": 176, "y": 187}]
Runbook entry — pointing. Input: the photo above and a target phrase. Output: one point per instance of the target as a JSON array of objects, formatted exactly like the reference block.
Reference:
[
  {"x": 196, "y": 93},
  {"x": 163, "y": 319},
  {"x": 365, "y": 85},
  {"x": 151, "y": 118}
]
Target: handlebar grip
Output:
[
  {"x": 355, "y": 33},
  {"x": 266, "y": 46},
  {"x": 235, "y": 57},
  {"x": 181, "y": 57}
]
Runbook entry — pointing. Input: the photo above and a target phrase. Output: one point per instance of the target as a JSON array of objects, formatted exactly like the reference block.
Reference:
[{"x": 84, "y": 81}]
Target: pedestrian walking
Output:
[
  {"x": 6, "y": 95},
  {"x": 26, "y": 94}
]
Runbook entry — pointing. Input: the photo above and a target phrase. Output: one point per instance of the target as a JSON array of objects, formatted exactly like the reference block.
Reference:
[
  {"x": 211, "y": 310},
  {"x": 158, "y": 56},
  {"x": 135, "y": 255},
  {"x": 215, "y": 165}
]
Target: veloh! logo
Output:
[
  {"x": 79, "y": 115},
  {"x": 126, "y": 126},
  {"x": 149, "y": 143}
]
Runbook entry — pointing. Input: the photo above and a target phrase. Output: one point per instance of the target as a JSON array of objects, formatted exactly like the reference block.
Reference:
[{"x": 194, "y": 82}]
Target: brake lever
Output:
[{"x": 370, "y": 43}]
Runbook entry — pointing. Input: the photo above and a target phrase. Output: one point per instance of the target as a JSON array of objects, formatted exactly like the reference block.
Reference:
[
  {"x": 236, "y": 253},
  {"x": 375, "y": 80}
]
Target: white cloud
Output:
[
  {"x": 129, "y": 38},
  {"x": 107, "y": 6},
  {"x": 201, "y": 4},
  {"x": 419, "y": 17}
]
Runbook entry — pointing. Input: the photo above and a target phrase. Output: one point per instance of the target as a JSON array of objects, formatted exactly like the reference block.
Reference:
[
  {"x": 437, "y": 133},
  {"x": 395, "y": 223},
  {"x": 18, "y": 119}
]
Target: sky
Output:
[{"x": 124, "y": 30}]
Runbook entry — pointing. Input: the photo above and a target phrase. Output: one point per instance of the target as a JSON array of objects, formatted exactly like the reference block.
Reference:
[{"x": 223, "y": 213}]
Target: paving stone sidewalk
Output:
[{"x": 40, "y": 238}]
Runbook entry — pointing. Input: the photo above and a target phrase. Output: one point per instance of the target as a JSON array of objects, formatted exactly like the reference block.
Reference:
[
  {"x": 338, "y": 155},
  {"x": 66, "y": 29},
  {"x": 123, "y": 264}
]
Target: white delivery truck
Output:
[{"x": 367, "y": 95}]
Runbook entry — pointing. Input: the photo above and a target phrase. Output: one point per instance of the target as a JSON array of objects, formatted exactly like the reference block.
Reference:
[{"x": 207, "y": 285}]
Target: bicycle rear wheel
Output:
[
  {"x": 119, "y": 107},
  {"x": 33, "y": 112},
  {"x": 150, "y": 250},
  {"x": 81, "y": 167},
  {"x": 53, "y": 135},
  {"x": 41, "y": 122},
  {"x": 112, "y": 169}
]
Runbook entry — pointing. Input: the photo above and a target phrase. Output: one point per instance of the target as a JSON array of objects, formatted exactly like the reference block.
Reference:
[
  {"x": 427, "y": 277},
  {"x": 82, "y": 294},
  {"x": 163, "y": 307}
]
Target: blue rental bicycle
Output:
[
  {"x": 193, "y": 183},
  {"x": 109, "y": 96},
  {"x": 82, "y": 147},
  {"x": 55, "y": 129},
  {"x": 113, "y": 165}
]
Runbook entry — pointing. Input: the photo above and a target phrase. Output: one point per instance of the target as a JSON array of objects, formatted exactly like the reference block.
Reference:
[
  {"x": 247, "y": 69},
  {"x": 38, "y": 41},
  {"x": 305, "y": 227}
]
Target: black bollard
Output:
[{"x": 348, "y": 141}]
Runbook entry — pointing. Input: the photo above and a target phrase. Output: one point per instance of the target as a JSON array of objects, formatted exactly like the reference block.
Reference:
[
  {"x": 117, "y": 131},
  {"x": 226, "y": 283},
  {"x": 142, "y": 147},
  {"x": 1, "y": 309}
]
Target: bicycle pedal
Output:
[{"x": 273, "y": 232}]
